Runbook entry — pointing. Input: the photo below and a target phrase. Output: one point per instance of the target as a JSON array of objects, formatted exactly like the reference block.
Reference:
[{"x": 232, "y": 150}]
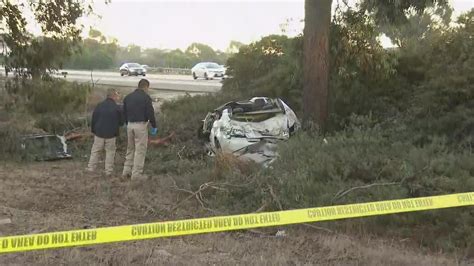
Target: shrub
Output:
[
  {"x": 38, "y": 106},
  {"x": 48, "y": 96},
  {"x": 360, "y": 70},
  {"x": 10, "y": 137},
  {"x": 370, "y": 157}
]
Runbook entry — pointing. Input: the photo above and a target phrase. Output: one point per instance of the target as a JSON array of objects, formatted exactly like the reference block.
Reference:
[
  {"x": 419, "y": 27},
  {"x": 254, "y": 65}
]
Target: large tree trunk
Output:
[{"x": 316, "y": 62}]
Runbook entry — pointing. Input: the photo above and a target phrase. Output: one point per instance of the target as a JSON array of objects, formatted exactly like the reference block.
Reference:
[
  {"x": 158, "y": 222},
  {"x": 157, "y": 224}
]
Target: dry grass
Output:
[
  {"x": 226, "y": 163},
  {"x": 42, "y": 197}
]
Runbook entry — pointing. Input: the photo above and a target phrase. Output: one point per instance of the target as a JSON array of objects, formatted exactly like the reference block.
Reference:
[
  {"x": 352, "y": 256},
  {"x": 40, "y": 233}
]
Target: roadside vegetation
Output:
[
  {"x": 401, "y": 125},
  {"x": 100, "y": 52}
]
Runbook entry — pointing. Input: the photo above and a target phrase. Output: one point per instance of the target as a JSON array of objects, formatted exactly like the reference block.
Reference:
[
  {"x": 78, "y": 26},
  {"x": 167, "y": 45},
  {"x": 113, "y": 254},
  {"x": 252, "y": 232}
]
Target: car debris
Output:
[
  {"x": 162, "y": 141},
  {"x": 249, "y": 129},
  {"x": 281, "y": 233},
  {"x": 72, "y": 135},
  {"x": 45, "y": 147}
]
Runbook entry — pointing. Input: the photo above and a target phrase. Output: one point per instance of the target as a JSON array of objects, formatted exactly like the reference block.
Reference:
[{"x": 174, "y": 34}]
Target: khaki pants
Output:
[
  {"x": 99, "y": 145},
  {"x": 137, "y": 140}
]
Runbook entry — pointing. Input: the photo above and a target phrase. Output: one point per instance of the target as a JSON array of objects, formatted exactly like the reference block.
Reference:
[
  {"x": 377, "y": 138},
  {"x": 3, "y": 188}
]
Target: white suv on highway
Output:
[
  {"x": 208, "y": 70},
  {"x": 134, "y": 69}
]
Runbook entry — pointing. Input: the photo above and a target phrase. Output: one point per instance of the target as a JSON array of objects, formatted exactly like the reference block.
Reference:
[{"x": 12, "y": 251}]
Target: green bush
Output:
[
  {"x": 48, "y": 96},
  {"x": 270, "y": 67},
  {"x": 315, "y": 171},
  {"x": 38, "y": 106},
  {"x": 10, "y": 142},
  {"x": 360, "y": 70},
  {"x": 401, "y": 127},
  {"x": 443, "y": 103}
]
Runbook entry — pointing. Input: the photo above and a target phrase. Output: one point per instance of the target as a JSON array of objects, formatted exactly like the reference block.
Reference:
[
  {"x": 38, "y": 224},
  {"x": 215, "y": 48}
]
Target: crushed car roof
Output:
[{"x": 249, "y": 129}]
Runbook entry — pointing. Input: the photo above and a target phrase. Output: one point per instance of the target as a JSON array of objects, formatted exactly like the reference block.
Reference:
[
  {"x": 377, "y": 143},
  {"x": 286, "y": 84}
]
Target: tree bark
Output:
[{"x": 316, "y": 63}]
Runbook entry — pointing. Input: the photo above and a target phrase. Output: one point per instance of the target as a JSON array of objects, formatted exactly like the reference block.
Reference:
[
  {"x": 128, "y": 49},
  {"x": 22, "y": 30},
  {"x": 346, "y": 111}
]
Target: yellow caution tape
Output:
[{"x": 227, "y": 223}]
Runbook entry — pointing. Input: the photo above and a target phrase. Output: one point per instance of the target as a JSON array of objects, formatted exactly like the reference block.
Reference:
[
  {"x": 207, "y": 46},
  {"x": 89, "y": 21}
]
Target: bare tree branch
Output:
[
  {"x": 274, "y": 197},
  {"x": 319, "y": 228},
  {"x": 341, "y": 194}
]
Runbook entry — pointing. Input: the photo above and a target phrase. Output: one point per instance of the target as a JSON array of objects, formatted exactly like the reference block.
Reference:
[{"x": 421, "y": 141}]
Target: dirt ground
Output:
[{"x": 49, "y": 196}]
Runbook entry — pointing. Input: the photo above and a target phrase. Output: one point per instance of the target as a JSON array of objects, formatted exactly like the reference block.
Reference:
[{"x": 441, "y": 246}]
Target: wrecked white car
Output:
[{"x": 249, "y": 129}]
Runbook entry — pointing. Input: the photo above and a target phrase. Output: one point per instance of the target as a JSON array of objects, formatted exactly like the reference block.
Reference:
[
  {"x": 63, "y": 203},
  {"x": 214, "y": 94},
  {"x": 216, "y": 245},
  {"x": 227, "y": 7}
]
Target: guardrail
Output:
[
  {"x": 157, "y": 70},
  {"x": 169, "y": 70}
]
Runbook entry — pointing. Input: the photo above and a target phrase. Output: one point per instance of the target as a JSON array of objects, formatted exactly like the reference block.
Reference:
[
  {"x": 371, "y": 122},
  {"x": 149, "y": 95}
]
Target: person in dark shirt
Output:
[
  {"x": 107, "y": 118},
  {"x": 138, "y": 112}
]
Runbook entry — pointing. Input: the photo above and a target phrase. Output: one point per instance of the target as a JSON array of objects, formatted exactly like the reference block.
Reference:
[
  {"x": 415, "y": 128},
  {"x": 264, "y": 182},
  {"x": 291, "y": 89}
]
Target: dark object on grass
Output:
[{"x": 45, "y": 147}]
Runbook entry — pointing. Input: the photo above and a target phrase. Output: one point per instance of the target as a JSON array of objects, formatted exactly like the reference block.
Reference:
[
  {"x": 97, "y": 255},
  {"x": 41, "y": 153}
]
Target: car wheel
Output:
[
  {"x": 194, "y": 76},
  {"x": 205, "y": 76},
  {"x": 144, "y": 75},
  {"x": 121, "y": 74}
]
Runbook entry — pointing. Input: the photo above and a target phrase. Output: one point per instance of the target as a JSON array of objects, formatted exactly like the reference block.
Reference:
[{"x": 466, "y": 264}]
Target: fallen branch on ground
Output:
[
  {"x": 274, "y": 197},
  {"x": 197, "y": 194},
  {"x": 342, "y": 193},
  {"x": 319, "y": 228},
  {"x": 162, "y": 141}
]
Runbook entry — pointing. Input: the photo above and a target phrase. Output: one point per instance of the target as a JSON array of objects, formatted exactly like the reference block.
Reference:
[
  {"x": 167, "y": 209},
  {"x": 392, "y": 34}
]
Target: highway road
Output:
[
  {"x": 176, "y": 83},
  {"x": 171, "y": 83}
]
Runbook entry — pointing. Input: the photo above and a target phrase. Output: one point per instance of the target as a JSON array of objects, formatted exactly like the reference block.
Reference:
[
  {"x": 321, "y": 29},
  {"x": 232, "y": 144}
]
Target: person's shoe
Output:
[{"x": 89, "y": 170}]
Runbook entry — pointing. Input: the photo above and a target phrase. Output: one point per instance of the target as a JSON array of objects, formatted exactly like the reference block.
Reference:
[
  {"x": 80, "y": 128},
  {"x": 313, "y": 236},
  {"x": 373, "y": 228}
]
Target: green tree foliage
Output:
[
  {"x": 428, "y": 83},
  {"x": 100, "y": 52},
  {"x": 443, "y": 101},
  {"x": 59, "y": 25},
  {"x": 397, "y": 12},
  {"x": 316, "y": 44},
  {"x": 269, "y": 67},
  {"x": 198, "y": 52},
  {"x": 201, "y": 51},
  {"x": 234, "y": 47},
  {"x": 418, "y": 26},
  {"x": 360, "y": 68},
  {"x": 95, "y": 52}
]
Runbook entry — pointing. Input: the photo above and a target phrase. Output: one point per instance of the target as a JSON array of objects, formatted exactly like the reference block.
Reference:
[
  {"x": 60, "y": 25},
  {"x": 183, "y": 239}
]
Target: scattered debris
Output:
[
  {"x": 162, "y": 141},
  {"x": 249, "y": 129},
  {"x": 70, "y": 136},
  {"x": 45, "y": 147},
  {"x": 281, "y": 233}
]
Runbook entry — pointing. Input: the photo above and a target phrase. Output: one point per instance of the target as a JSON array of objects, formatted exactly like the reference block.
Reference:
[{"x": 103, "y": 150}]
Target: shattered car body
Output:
[
  {"x": 45, "y": 147},
  {"x": 250, "y": 129}
]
